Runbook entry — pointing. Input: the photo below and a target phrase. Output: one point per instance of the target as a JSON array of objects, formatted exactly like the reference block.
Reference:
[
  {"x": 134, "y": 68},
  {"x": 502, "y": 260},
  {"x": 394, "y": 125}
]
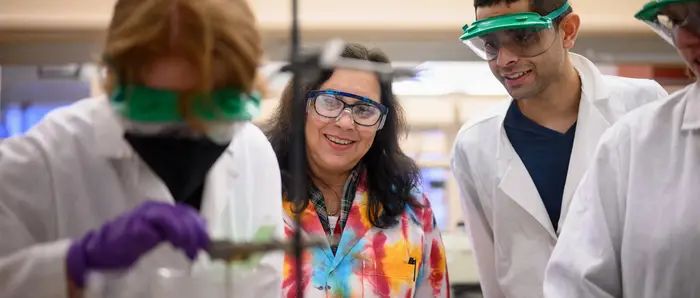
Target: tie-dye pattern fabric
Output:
[{"x": 407, "y": 260}]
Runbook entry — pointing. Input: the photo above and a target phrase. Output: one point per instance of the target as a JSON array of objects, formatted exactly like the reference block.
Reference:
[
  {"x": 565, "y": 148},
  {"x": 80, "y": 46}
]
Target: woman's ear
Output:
[{"x": 568, "y": 27}]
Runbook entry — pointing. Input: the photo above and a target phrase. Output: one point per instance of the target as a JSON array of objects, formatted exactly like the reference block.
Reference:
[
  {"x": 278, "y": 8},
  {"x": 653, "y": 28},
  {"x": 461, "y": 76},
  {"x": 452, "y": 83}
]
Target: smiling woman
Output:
[{"x": 365, "y": 196}]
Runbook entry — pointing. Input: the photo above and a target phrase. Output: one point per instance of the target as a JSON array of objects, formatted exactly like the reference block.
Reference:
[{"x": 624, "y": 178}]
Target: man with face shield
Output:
[
  {"x": 632, "y": 229},
  {"x": 518, "y": 166},
  {"x": 524, "y": 35},
  {"x": 148, "y": 176},
  {"x": 669, "y": 18}
]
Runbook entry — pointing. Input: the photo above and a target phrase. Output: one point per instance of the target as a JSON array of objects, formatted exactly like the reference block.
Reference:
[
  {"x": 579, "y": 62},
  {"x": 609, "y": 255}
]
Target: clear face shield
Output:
[
  {"x": 665, "y": 17},
  {"x": 525, "y": 34}
]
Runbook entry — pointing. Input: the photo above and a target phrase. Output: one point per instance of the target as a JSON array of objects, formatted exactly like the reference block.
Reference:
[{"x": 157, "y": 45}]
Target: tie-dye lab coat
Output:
[{"x": 371, "y": 262}]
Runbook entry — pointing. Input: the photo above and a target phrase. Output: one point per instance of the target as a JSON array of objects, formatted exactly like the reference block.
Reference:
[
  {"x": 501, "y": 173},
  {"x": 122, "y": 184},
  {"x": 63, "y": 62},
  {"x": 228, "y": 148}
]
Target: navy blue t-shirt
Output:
[{"x": 545, "y": 153}]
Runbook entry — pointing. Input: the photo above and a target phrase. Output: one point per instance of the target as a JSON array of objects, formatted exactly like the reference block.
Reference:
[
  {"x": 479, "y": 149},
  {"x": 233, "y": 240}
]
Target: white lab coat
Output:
[
  {"x": 633, "y": 229},
  {"x": 509, "y": 227},
  {"x": 74, "y": 171}
]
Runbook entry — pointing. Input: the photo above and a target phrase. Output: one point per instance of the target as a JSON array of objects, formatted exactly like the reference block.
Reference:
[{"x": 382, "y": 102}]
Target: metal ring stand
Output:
[
  {"x": 310, "y": 67},
  {"x": 304, "y": 68}
]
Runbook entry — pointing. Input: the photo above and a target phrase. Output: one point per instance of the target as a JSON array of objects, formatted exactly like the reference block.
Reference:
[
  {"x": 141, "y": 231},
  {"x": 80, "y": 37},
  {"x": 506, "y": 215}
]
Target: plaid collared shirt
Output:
[{"x": 349, "y": 192}]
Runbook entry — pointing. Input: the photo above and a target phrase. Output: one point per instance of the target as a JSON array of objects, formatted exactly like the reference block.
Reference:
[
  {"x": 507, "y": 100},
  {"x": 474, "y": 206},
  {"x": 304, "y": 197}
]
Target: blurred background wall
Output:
[{"x": 48, "y": 49}]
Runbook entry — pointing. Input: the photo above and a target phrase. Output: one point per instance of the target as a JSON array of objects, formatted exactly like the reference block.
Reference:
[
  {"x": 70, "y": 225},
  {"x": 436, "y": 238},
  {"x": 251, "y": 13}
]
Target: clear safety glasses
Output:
[
  {"x": 666, "y": 17},
  {"x": 332, "y": 104},
  {"x": 525, "y": 34}
]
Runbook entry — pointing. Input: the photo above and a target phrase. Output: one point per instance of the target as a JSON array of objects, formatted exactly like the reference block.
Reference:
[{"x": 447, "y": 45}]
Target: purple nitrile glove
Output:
[{"x": 118, "y": 244}]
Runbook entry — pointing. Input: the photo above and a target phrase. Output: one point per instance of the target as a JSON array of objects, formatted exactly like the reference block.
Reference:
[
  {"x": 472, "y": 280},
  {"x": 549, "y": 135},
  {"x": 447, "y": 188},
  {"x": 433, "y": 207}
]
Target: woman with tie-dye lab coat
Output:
[{"x": 364, "y": 194}]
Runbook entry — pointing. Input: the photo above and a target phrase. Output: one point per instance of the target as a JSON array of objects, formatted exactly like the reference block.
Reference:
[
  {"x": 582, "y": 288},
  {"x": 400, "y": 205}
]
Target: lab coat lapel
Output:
[
  {"x": 691, "y": 114},
  {"x": 218, "y": 194},
  {"x": 310, "y": 225},
  {"x": 356, "y": 226},
  {"x": 518, "y": 185},
  {"x": 150, "y": 186},
  {"x": 591, "y": 125},
  {"x": 140, "y": 182}
]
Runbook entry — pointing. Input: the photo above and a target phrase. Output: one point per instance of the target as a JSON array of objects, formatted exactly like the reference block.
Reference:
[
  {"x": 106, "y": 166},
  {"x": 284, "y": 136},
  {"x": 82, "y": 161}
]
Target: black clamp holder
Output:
[{"x": 307, "y": 68}]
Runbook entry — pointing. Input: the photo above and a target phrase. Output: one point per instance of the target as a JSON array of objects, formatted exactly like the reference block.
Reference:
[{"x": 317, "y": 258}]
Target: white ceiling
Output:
[
  {"x": 602, "y": 16},
  {"x": 20, "y": 77},
  {"x": 606, "y": 49}
]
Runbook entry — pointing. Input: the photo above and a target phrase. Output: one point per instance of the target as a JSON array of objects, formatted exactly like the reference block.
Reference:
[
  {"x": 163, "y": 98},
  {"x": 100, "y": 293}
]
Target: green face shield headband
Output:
[
  {"x": 148, "y": 105},
  {"x": 524, "y": 34},
  {"x": 666, "y": 17}
]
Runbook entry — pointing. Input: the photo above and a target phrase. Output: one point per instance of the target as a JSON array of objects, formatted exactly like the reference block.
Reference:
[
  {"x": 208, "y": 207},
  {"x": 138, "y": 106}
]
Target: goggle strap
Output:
[{"x": 555, "y": 14}]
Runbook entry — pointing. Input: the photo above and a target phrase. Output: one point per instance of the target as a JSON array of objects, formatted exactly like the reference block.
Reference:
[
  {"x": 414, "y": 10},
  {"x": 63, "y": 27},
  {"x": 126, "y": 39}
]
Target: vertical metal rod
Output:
[
  {"x": 298, "y": 155},
  {"x": 3, "y": 122},
  {"x": 228, "y": 292}
]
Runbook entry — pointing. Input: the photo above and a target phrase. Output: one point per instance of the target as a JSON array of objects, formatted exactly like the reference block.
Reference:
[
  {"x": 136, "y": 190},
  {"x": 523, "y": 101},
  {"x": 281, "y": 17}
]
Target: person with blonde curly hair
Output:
[{"x": 146, "y": 176}]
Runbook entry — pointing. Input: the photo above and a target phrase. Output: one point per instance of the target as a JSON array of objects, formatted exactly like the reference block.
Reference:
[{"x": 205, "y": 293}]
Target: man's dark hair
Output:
[
  {"x": 542, "y": 7},
  {"x": 391, "y": 175}
]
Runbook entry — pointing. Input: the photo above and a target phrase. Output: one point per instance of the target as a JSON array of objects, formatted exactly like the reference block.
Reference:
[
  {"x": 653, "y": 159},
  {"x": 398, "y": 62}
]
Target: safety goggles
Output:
[
  {"x": 524, "y": 34},
  {"x": 665, "y": 17},
  {"x": 332, "y": 104},
  {"x": 143, "y": 104}
]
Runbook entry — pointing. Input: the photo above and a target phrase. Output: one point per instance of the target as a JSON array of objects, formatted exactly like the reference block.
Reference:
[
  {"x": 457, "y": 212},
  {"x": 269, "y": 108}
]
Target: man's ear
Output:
[{"x": 568, "y": 28}]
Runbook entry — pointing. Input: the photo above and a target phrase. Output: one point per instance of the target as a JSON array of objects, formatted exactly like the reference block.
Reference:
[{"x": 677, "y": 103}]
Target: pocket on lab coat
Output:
[{"x": 388, "y": 278}]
